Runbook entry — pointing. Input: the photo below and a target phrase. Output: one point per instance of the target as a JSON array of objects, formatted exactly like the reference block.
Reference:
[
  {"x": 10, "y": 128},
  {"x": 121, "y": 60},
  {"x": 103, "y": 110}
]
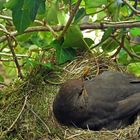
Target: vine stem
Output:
[{"x": 70, "y": 20}]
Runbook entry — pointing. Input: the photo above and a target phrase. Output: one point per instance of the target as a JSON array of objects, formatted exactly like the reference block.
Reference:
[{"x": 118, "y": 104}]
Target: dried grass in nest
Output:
[{"x": 26, "y": 106}]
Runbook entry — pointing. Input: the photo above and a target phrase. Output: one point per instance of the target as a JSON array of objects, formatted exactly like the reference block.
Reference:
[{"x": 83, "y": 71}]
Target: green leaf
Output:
[
  {"x": 21, "y": 19},
  {"x": 11, "y": 4},
  {"x": 63, "y": 54},
  {"x": 2, "y": 4},
  {"x": 135, "y": 31},
  {"x": 107, "y": 34},
  {"x": 95, "y": 3},
  {"x": 73, "y": 38},
  {"x": 42, "y": 8},
  {"x": 123, "y": 57},
  {"x": 1, "y": 78},
  {"x": 114, "y": 10},
  {"x": 89, "y": 41},
  {"x": 61, "y": 17},
  {"x": 134, "y": 68},
  {"x": 110, "y": 45},
  {"x": 79, "y": 15},
  {"x": 52, "y": 14},
  {"x": 91, "y": 6},
  {"x": 23, "y": 12}
]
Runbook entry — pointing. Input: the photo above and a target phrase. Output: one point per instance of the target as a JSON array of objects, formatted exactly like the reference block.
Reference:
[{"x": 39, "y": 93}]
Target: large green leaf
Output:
[
  {"x": 63, "y": 54},
  {"x": 21, "y": 19},
  {"x": 23, "y": 12},
  {"x": 52, "y": 14},
  {"x": 73, "y": 38},
  {"x": 92, "y": 5},
  {"x": 79, "y": 15}
]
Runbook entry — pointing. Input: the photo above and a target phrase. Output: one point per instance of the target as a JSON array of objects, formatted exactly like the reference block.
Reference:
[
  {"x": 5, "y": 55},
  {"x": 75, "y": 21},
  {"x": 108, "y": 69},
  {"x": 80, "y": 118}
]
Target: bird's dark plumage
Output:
[{"x": 111, "y": 100}]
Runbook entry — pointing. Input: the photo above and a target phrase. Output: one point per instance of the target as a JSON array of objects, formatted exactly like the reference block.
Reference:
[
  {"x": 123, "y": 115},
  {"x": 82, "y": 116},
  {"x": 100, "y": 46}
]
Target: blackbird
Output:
[{"x": 111, "y": 100}]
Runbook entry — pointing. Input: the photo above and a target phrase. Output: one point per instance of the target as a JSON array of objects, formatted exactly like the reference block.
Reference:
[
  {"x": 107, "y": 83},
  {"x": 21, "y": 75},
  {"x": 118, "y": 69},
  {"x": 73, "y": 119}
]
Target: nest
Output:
[{"x": 26, "y": 106}]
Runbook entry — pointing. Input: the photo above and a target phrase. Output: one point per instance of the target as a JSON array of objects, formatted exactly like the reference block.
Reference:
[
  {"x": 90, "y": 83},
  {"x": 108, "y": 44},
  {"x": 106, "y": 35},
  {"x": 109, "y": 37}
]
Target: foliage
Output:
[{"x": 49, "y": 33}]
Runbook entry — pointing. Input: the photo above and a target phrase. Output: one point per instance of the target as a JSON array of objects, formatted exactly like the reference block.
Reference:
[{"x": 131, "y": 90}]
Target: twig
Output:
[
  {"x": 131, "y": 7},
  {"x": 120, "y": 47},
  {"x": 75, "y": 135},
  {"x": 1, "y": 83},
  {"x": 70, "y": 19},
  {"x": 14, "y": 56},
  {"x": 18, "y": 116},
  {"x": 40, "y": 119},
  {"x": 8, "y": 38},
  {"x": 51, "y": 30},
  {"x": 131, "y": 54},
  {"x": 8, "y": 54}
]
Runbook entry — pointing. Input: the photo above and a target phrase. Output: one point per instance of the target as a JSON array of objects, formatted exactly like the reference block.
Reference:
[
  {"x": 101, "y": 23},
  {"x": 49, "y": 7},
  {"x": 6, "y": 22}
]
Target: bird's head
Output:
[{"x": 69, "y": 100}]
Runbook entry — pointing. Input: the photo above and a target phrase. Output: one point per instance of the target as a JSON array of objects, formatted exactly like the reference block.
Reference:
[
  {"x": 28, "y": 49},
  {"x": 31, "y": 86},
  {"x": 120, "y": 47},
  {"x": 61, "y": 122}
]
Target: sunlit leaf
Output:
[
  {"x": 135, "y": 31},
  {"x": 134, "y": 68}
]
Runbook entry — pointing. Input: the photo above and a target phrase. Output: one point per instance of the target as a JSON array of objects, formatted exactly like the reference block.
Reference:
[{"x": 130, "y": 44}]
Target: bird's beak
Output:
[{"x": 84, "y": 92}]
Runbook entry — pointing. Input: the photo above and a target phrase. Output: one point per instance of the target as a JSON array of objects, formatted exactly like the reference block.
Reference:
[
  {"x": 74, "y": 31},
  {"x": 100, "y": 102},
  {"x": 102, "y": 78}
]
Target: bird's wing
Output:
[
  {"x": 128, "y": 107},
  {"x": 107, "y": 113}
]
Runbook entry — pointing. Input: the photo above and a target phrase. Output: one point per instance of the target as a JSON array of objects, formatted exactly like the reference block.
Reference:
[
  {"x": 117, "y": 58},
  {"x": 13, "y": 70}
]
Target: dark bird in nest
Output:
[{"x": 111, "y": 100}]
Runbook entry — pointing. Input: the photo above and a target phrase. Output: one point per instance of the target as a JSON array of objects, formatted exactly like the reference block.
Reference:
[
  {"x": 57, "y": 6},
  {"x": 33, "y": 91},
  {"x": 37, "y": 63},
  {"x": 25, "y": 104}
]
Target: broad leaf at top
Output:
[{"x": 23, "y": 12}]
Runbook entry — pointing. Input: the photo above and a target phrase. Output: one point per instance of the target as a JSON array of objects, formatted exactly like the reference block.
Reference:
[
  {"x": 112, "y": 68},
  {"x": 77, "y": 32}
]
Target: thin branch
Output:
[
  {"x": 103, "y": 25},
  {"x": 120, "y": 47},
  {"x": 131, "y": 7},
  {"x": 51, "y": 30},
  {"x": 70, "y": 19},
  {"x": 131, "y": 54},
  {"x": 1, "y": 83},
  {"x": 14, "y": 56},
  {"x": 8, "y": 54}
]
